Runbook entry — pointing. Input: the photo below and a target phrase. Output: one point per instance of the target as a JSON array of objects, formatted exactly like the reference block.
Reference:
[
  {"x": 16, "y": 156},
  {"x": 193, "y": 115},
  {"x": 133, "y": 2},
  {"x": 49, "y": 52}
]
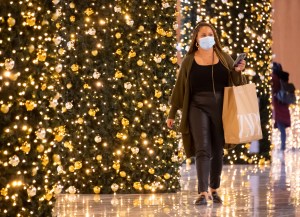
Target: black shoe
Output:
[
  {"x": 201, "y": 200},
  {"x": 216, "y": 198}
]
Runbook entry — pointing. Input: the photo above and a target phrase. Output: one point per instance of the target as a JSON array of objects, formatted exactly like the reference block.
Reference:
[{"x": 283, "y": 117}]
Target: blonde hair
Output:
[{"x": 199, "y": 25}]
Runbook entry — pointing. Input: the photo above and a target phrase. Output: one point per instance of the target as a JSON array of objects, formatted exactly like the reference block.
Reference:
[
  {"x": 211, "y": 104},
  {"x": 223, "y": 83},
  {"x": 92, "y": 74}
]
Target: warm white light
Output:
[
  {"x": 7, "y": 73},
  {"x": 102, "y": 22}
]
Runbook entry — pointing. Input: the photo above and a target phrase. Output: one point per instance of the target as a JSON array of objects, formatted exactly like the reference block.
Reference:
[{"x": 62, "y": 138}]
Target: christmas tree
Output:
[
  {"x": 27, "y": 119},
  {"x": 245, "y": 26},
  {"x": 117, "y": 77},
  {"x": 84, "y": 93}
]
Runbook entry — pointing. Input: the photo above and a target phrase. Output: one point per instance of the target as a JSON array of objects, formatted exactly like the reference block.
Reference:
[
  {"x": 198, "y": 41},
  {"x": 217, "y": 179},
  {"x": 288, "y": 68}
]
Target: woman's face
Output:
[{"x": 204, "y": 31}]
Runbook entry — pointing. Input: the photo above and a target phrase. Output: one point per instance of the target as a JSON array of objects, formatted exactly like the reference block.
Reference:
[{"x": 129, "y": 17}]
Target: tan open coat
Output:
[{"x": 180, "y": 97}]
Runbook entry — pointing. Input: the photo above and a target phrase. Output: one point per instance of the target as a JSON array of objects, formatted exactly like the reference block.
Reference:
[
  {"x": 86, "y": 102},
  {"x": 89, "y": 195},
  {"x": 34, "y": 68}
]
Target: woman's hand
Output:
[
  {"x": 241, "y": 66},
  {"x": 170, "y": 123}
]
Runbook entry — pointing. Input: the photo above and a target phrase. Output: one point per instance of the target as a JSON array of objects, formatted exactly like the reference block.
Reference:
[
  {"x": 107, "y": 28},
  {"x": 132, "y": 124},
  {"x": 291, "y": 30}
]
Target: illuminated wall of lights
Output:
[{"x": 84, "y": 96}]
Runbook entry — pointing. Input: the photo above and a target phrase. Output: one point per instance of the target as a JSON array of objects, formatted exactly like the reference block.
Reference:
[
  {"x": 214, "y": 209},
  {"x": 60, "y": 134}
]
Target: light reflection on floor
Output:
[{"x": 247, "y": 190}]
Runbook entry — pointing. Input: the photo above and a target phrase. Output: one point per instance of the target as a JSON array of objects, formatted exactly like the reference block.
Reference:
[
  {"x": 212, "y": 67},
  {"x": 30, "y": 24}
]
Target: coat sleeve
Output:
[{"x": 176, "y": 100}]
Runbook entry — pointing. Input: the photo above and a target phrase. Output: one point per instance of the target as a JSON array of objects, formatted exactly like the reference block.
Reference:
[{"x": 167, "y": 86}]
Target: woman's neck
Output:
[{"x": 205, "y": 53}]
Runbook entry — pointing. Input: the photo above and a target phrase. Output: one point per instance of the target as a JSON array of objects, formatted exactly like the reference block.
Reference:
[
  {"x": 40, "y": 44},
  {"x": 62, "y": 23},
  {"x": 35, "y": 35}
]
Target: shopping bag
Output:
[{"x": 241, "y": 118}]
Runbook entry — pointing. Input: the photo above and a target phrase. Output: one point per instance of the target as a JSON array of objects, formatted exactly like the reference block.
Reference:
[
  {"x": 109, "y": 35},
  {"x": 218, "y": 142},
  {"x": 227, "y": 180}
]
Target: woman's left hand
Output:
[{"x": 241, "y": 66}]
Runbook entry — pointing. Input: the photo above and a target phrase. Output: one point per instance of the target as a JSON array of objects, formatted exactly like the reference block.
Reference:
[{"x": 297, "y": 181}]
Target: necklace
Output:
[{"x": 212, "y": 75}]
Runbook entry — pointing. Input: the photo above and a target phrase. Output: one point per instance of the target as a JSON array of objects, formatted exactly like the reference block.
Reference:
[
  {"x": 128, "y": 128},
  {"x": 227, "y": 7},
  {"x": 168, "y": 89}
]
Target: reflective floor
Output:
[{"x": 247, "y": 190}]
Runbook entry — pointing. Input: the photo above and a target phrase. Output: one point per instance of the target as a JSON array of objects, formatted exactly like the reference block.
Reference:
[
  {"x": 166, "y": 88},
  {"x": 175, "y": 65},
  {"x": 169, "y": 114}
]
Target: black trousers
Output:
[{"x": 205, "y": 120}]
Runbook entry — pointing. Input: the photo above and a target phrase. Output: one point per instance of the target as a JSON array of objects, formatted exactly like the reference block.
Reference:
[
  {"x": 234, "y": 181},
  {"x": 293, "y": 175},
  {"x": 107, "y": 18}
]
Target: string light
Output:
[
  {"x": 84, "y": 94},
  {"x": 89, "y": 84}
]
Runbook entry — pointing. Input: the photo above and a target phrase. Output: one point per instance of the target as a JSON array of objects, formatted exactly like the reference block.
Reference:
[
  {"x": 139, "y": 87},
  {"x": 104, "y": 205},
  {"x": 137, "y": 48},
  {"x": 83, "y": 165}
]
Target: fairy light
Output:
[
  {"x": 189, "y": 10},
  {"x": 90, "y": 91},
  {"x": 26, "y": 64}
]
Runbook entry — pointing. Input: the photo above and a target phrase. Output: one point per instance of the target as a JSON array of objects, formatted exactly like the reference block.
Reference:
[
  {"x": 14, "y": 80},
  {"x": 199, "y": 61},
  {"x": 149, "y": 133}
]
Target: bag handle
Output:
[{"x": 244, "y": 80}]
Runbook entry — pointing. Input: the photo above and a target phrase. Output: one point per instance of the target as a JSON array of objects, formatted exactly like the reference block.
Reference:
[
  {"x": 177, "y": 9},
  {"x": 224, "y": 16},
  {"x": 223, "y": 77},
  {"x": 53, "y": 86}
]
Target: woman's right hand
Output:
[{"x": 170, "y": 123}]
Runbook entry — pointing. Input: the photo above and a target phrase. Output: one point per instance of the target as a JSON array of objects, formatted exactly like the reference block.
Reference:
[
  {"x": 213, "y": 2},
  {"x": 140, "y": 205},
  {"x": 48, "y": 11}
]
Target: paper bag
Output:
[{"x": 241, "y": 118}]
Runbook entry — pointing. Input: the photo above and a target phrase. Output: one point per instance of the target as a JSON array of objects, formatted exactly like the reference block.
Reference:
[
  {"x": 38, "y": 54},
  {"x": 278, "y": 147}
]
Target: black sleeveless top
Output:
[{"x": 201, "y": 78}]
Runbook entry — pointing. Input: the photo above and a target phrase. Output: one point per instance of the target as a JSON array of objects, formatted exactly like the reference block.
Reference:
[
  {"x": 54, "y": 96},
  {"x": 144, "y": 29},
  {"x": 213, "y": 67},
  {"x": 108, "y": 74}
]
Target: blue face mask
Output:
[{"x": 207, "y": 42}]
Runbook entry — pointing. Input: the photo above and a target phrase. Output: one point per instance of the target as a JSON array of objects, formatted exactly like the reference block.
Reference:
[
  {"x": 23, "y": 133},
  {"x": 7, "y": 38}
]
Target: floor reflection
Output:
[{"x": 247, "y": 190}]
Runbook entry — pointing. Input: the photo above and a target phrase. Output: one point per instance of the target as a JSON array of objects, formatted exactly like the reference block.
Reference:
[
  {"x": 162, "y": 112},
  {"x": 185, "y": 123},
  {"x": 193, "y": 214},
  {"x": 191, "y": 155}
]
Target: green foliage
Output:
[
  {"x": 24, "y": 109},
  {"x": 122, "y": 110},
  {"x": 86, "y": 102}
]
